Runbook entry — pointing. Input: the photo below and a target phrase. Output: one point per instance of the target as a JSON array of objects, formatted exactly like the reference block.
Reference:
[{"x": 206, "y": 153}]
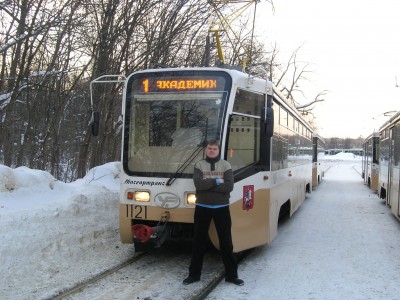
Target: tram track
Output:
[
  {"x": 218, "y": 277},
  {"x": 80, "y": 286},
  {"x": 210, "y": 286},
  {"x": 151, "y": 275}
]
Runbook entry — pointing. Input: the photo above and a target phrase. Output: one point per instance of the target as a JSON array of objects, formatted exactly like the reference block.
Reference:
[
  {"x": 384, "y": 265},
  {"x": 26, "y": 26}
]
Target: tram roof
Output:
[
  {"x": 316, "y": 135},
  {"x": 392, "y": 120},
  {"x": 374, "y": 134}
]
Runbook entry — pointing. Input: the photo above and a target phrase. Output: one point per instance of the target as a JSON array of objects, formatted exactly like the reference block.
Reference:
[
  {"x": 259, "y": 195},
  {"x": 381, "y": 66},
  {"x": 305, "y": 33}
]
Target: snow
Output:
[
  {"x": 342, "y": 243},
  {"x": 54, "y": 234},
  {"x": 342, "y": 156}
]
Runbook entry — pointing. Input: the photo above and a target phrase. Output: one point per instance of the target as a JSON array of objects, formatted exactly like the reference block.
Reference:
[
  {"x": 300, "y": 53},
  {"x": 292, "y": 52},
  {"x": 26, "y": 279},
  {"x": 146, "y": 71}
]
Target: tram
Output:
[
  {"x": 389, "y": 164},
  {"x": 370, "y": 161},
  {"x": 169, "y": 114}
]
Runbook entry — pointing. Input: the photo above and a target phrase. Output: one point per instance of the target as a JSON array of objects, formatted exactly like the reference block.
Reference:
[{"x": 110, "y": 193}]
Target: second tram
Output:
[
  {"x": 389, "y": 173},
  {"x": 370, "y": 161}
]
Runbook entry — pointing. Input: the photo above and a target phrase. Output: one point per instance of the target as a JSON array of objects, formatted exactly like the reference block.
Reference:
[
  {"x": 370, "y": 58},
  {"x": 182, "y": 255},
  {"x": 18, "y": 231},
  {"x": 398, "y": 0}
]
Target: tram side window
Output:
[
  {"x": 279, "y": 152},
  {"x": 283, "y": 117},
  {"x": 248, "y": 103},
  {"x": 244, "y": 142},
  {"x": 291, "y": 122},
  {"x": 279, "y": 141},
  {"x": 244, "y": 136},
  {"x": 384, "y": 150},
  {"x": 276, "y": 108},
  {"x": 396, "y": 150}
]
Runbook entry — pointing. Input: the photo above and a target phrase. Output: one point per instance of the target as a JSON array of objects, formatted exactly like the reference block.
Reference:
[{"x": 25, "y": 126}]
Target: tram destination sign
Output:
[{"x": 162, "y": 85}]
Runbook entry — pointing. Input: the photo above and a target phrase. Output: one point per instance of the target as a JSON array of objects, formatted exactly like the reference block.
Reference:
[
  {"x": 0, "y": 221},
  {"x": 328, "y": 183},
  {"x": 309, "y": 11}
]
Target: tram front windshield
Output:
[{"x": 165, "y": 130}]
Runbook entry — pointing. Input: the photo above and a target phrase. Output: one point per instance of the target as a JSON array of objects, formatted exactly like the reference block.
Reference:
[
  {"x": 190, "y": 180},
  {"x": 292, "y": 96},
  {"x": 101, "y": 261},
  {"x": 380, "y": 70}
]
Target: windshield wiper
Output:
[
  {"x": 186, "y": 163},
  {"x": 190, "y": 158}
]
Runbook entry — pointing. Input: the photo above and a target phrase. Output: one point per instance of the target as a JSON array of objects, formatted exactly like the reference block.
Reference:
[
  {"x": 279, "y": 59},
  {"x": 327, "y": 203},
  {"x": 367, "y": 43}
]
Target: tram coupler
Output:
[{"x": 150, "y": 237}]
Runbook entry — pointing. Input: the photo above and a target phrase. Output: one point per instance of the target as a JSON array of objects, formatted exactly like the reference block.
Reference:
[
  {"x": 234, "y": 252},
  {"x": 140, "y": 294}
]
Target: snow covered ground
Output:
[
  {"x": 54, "y": 234},
  {"x": 343, "y": 243}
]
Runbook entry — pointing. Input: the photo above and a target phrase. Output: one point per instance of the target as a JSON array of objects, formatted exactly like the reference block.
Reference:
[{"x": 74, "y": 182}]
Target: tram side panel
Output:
[
  {"x": 293, "y": 154},
  {"x": 364, "y": 162},
  {"x": 250, "y": 210},
  {"x": 255, "y": 218},
  {"x": 374, "y": 173},
  {"x": 369, "y": 168},
  {"x": 395, "y": 172},
  {"x": 389, "y": 167},
  {"x": 258, "y": 200},
  {"x": 318, "y": 151},
  {"x": 291, "y": 164},
  {"x": 394, "y": 192},
  {"x": 384, "y": 165},
  {"x": 370, "y": 161},
  {"x": 250, "y": 198},
  {"x": 374, "y": 177}
]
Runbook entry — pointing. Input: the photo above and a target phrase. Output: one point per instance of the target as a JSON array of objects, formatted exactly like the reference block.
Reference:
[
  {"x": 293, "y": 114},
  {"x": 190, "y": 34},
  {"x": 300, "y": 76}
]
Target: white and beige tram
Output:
[
  {"x": 389, "y": 164},
  {"x": 370, "y": 161},
  {"x": 168, "y": 116}
]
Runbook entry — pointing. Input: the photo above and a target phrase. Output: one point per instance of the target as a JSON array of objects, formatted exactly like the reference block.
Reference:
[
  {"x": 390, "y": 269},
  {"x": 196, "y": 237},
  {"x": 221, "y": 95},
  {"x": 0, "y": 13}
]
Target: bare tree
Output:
[
  {"x": 51, "y": 50},
  {"x": 26, "y": 71},
  {"x": 144, "y": 32}
]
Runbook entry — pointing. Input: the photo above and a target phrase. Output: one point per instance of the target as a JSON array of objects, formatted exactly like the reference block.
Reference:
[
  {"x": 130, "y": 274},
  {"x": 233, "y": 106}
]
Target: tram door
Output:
[
  {"x": 390, "y": 168},
  {"x": 395, "y": 194},
  {"x": 368, "y": 164}
]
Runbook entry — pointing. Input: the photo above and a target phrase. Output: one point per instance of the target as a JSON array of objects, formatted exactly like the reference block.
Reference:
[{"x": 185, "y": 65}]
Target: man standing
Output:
[{"x": 213, "y": 179}]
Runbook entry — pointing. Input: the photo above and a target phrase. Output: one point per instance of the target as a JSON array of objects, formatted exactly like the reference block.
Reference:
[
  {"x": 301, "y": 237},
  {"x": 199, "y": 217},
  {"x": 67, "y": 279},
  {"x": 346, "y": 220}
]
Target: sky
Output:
[
  {"x": 353, "y": 48},
  {"x": 54, "y": 235}
]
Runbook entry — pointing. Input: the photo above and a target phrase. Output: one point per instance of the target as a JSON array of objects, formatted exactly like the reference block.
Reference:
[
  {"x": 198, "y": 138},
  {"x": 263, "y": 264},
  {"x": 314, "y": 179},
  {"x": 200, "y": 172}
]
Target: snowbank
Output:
[
  {"x": 24, "y": 177},
  {"x": 54, "y": 233},
  {"x": 341, "y": 156}
]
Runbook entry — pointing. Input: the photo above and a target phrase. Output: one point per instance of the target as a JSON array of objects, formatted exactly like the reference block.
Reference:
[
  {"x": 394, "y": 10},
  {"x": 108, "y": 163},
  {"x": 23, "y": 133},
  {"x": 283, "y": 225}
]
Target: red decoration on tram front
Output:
[{"x": 248, "y": 197}]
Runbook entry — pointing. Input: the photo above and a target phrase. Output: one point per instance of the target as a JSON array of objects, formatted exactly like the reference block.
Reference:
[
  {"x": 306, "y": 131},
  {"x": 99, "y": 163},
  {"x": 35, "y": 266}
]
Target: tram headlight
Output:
[
  {"x": 142, "y": 196},
  {"x": 191, "y": 198}
]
